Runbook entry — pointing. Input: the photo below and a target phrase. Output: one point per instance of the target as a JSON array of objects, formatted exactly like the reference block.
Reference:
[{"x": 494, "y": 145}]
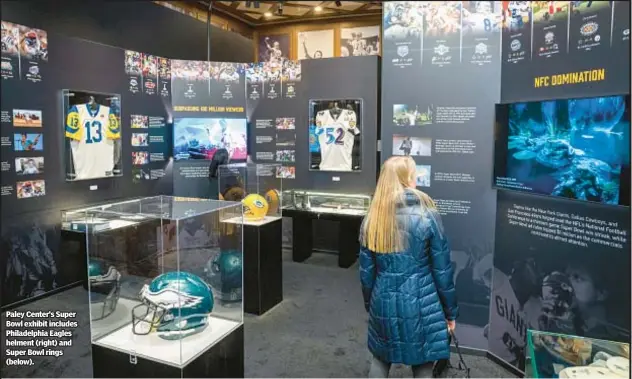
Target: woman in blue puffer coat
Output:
[{"x": 406, "y": 274}]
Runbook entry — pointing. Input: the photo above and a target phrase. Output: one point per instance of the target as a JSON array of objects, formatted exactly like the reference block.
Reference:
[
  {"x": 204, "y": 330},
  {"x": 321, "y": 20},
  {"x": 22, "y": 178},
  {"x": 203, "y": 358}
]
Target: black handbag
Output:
[{"x": 442, "y": 366}]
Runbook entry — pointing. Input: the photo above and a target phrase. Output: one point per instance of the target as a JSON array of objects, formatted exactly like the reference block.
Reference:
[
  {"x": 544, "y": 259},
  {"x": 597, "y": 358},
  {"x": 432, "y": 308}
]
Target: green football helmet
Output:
[
  {"x": 104, "y": 286},
  {"x": 174, "y": 305},
  {"x": 224, "y": 273}
]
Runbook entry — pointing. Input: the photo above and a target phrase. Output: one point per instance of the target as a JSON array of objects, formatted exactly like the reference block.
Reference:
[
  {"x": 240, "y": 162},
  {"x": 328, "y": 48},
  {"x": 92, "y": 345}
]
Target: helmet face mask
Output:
[
  {"x": 104, "y": 290},
  {"x": 174, "y": 305},
  {"x": 147, "y": 317}
]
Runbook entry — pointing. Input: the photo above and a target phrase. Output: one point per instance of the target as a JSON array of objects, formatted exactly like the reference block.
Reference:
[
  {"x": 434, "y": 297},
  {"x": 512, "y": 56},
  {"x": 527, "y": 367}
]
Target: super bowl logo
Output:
[
  {"x": 150, "y": 85},
  {"x": 133, "y": 82},
  {"x": 515, "y": 45},
  {"x": 402, "y": 51},
  {"x": 441, "y": 49},
  {"x": 589, "y": 29}
]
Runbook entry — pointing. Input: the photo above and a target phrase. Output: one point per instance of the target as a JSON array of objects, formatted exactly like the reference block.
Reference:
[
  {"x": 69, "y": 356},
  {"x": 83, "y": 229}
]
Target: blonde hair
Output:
[{"x": 380, "y": 231}]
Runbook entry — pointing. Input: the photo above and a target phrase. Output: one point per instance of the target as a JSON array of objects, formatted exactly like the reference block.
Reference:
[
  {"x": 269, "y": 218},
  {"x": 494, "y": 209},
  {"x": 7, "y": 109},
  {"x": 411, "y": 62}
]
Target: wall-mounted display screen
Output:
[
  {"x": 200, "y": 138},
  {"x": 335, "y": 135},
  {"x": 571, "y": 148}
]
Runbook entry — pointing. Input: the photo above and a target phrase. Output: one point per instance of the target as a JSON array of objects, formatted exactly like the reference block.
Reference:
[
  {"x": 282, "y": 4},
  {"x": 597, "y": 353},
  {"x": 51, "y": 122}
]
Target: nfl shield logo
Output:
[{"x": 402, "y": 51}]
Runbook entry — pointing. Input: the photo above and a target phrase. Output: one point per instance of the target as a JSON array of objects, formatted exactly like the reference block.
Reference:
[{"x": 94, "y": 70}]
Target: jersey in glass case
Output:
[
  {"x": 324, "y": 202},
  {"x": 164, "y": 275},
  {"x": 553, "y": 355}
]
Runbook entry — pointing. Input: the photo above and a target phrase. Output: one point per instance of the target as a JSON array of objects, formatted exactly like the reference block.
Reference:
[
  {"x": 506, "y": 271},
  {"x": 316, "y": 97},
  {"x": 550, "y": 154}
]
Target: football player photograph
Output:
[
  {"x": 403, "y": 241},
  {"x": 515, "y": 307},
  {"x": 274, "y": 49},
  {"x": 315, "y": 55}
]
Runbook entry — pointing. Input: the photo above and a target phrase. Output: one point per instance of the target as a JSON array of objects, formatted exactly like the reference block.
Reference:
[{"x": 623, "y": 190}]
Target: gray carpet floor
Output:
[{"x": 319, "y": 330}]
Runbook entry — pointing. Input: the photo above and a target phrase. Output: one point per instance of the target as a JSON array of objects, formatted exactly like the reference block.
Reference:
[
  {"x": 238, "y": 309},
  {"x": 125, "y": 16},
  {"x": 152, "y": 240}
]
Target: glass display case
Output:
[
  {"x": 552, "y": 355},
  {"x": 164, "y": 277},
  {"x": 323, "y": 202},
  {"x": 257, "y": 185}
]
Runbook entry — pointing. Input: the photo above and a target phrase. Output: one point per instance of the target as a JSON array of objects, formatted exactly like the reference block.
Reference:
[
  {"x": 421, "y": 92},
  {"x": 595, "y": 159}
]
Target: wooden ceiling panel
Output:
[{"x": 293, "y": 11}]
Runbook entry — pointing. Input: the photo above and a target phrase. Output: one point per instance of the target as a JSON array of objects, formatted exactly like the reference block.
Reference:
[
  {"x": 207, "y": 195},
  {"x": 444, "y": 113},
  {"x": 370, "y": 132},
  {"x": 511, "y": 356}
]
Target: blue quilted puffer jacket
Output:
[{"x": 410, "y": 294}]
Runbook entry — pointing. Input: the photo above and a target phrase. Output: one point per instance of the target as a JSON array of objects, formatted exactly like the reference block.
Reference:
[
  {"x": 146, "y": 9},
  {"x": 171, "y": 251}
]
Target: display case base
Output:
[
  {"x": 225, "y": 359},
  {"x": 302, "y": 239},
  {"x": 263, "y": 266}
]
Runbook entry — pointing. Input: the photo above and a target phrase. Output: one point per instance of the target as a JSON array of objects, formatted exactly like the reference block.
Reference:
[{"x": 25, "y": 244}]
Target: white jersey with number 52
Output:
[{"x": 336, "y": 137}]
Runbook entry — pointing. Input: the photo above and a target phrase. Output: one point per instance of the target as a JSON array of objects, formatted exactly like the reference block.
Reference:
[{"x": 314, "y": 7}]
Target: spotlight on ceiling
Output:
[
  {"x": 268, "y": 14},
  {"x": 318, "y": 8},
  {"x": 257, "y": 3},
  {"x": 338, "y": 3},
  {"x": 279, "y": 10},
  {"x": 248, "y": 4}
]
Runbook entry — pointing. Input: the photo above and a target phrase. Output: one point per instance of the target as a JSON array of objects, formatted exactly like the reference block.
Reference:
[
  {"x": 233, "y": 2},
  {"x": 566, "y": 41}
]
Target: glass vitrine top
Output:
[{"x": 165, "y": 207}]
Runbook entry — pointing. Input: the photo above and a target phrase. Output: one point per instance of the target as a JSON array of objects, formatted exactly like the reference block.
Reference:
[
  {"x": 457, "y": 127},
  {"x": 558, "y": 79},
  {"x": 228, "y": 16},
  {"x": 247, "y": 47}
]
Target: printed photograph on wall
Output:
[
  {"x": 28, "y": 142},
  {"x": 423, "y": 175},
  {"x": 442, "y": 33},
  {"x": 23, "y": 49},
  {"x": 364, "y": 40},
  {"x": 516, "y": 28},
  {"x": 335, "y": 135},
  {"x": 315, "y": 44},
  {"x": 273, "y": 48},
  {"x": 190, "y": 83},
  {"x": 481, "y": 31},
  {"x": 403, "y": 26},
  {"x": 576, "y": 291},
  {"x": 92, "y": 133},
  {"x": 29, "y": 165},
  {"x": 412, "y": 115},
  {"x": 412, "y": 146}
]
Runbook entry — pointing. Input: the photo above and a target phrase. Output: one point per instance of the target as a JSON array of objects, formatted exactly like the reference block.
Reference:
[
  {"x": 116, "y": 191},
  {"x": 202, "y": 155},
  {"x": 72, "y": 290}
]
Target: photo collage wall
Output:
[
  {"x": 148, "y": 75},
  {"x": 24, "y": 57},
  {"x": 271, "y": 84}
]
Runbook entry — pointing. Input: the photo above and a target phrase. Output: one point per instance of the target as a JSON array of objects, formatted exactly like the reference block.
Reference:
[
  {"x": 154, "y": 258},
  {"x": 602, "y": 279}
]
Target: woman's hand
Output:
[{"x": 451, "y": 325}]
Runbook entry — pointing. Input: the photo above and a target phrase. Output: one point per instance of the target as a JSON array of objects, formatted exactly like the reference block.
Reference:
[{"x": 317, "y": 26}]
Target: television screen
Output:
[
  {"x": 200, "y": 138},
  {"x": 571, "y": 148}
]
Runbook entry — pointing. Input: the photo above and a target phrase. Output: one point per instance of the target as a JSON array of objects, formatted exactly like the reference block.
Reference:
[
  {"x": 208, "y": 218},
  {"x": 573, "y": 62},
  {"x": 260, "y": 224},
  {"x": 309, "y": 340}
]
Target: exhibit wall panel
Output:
[
  {"x": 439, "y": 87},
  {"x": 573, "y": 253},
  {"x": 551, "y": 251},
  {"x": 34, "y": 131},
  {"x": 574, "y": 49},
  {"x": 133, "y": 25},
  {"x": 353, "y": 78},
  {"x": 209, "y": 113}
]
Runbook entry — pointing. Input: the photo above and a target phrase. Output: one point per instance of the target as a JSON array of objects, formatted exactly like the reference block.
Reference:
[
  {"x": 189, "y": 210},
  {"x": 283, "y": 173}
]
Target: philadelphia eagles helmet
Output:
[
  {"x": 224, "y": 273},
  {"x": 104, "y": 286},
  {"x": 174, "y": 305}
]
